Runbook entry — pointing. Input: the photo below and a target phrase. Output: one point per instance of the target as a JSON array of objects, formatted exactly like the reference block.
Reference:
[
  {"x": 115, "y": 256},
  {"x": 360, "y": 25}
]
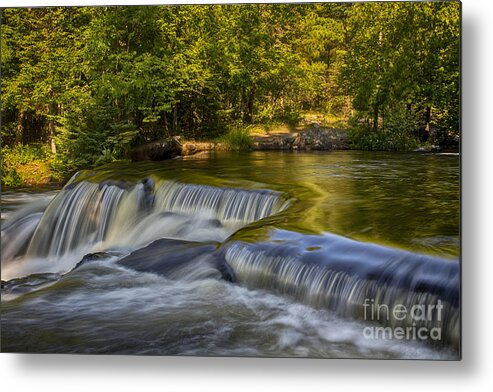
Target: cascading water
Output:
[
  {"x": 88, "y": 217},
  {"x": 77, "y": 217},
  {"x": 354, "y": 279},
  {"x": 18, "y": 228},
  {"x": 227, "y": 205},
  {"x": 188, "y": 234}
]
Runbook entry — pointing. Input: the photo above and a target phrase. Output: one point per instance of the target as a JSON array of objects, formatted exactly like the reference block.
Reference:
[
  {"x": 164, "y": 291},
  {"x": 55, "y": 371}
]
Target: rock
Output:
[
  {"x": 191, "y": 148},
  {"x": 428, "y": 149},
  {"x": 274, "y": 142},
  {"x": 322, "y": 139},
  {"x": 92, "y": 257},
  {"x": 169, "y": 258},
  {"x": 28, "y": 283},
  {"x": 313, "y": 138},
  {"x": 157, "y": 151},
  {"x": 147, "y": 202}
]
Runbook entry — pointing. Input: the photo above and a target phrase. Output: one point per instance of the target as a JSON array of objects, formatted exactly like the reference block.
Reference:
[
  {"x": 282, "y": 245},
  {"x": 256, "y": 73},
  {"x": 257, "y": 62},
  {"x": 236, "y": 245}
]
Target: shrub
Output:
[
  {"x": 399, "y": 134},
  {"x": 27, "y": 165},
  {"x": 238, "y": 138}
]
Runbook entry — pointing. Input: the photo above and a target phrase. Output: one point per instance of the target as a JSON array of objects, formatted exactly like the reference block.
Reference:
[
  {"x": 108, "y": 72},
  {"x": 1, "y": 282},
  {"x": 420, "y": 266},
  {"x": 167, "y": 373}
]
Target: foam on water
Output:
[
  {"x": 86, "y": 217},
  {"x": 191, "y": 311},
  {"x": 143, "y": 313}
]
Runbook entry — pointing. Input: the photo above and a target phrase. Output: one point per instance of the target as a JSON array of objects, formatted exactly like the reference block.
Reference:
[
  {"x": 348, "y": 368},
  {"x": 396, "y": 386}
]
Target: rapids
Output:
[{"x": 176, "y": 262}]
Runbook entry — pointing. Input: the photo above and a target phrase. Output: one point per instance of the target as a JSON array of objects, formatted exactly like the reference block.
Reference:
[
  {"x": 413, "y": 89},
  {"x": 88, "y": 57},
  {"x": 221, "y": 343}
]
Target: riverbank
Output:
[
  {"x": 35, "y": 166},
  {"x": 311, "y": 138},
  {"x": 29, "y": 166}
]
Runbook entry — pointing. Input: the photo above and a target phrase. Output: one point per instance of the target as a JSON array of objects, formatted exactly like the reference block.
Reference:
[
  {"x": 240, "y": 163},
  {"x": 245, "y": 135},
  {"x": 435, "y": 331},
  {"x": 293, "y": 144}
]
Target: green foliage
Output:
[
  {"x": 382, "y": 140},
  {"x": 400, "y": 133},
  {"x": 404, "y": 54},
  {"x": 238, "y": 138},
  {"x": 26, "y": 165},
  {"x": 446, "y": 126},
  {"x": 96, "y": 81},
  {"x": 288, "y": 116}
]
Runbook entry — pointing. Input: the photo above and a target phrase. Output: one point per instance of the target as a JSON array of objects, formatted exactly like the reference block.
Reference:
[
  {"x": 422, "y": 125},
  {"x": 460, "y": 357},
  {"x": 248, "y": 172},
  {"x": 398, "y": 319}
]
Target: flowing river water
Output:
[{"x": 238, "y": 254}]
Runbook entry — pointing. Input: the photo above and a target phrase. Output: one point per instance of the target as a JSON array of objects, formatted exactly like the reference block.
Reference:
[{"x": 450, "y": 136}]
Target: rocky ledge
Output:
[
  {"x": 314, "y": 138},
  {"x": 171, "y": 148}
]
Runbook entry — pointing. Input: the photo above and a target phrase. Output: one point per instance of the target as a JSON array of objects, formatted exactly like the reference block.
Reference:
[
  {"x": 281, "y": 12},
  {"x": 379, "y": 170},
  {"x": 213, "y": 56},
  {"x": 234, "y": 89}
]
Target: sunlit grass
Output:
[
  {"x": 238, "y": 138},
  {"x": 27, "y": 166}
]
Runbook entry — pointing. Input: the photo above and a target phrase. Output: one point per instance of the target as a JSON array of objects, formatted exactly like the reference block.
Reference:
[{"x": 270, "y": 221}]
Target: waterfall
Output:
[
  {"x": 75, "y": 218},
  {"x": 324, "y": 271},
  {"x": 353, "y": 279},
  {"x": 86, "y": 217},
  {"x": 19, "y": 228},
  {"x": 218, "y": 203},
  {"x": 16, "y": 237}
]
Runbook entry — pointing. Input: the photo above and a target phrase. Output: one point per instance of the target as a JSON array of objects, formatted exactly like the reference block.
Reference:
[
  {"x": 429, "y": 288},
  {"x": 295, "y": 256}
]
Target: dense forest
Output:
[{"x": 81, "y": 86}]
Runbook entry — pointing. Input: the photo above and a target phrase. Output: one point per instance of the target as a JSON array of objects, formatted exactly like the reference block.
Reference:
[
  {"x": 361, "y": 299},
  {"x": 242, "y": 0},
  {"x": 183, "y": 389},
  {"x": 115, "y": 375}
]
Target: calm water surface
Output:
[{"x": 410, "y": 201}]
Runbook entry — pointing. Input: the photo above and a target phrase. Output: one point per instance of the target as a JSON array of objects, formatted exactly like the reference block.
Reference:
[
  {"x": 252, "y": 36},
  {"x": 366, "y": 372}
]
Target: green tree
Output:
[
  {"x": 404, "y": 54},
  {"x": 41, "y": 54}
]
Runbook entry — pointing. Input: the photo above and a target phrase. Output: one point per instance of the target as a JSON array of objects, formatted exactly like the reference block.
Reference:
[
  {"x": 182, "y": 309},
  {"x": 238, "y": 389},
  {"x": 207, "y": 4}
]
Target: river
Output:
[{"x": 238, "y": 254}]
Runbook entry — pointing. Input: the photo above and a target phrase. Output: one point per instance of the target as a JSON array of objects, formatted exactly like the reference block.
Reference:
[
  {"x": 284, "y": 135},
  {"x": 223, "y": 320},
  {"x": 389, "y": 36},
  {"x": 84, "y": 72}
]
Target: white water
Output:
[
  {"x": 395, "y": 279},
  {"x": 90, "y": 217},
  {"x": 143, "y": 313},
  {"x": 195, "y": 312}
]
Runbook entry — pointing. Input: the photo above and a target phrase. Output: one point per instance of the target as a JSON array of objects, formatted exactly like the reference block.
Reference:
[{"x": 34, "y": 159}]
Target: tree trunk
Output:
[
  {"x": 53, "y": 110},
  {"x": 51, "y": 132},
  {"x": 243, "y": 105},
  {"x": 426, "y": 132},
  {"x": 375, "y": 118},
  {"x": 175, "y": 118},
  {"x": 19, "y": 129},
  {"x": 251, "y": 101},
  {"x": 165, "y": 120}
]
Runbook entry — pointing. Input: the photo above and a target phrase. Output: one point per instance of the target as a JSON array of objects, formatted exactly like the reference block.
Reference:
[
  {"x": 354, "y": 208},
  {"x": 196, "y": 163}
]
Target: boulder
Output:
[
  {"x": 169, "y": 258},
  {"x": 313, "y": 138},
  {"x": 322, "y": 139},
  {"x": 428, "y": 149},
  {"x": 191, "y": 148},
  {"x": 158, "y": 151},
  {"x": 195, "y": 148},
  {"x": 274, "y": 142},
  {"x": 92, "y": 257}
]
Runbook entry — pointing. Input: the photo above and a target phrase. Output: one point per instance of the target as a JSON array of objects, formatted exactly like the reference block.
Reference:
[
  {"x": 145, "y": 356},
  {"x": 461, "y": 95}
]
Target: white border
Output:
[{"x": 118, "y": 373}]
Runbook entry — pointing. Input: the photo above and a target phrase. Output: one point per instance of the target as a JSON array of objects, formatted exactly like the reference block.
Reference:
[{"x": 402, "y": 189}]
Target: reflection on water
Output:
[{"x": 410, "y": 201}]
